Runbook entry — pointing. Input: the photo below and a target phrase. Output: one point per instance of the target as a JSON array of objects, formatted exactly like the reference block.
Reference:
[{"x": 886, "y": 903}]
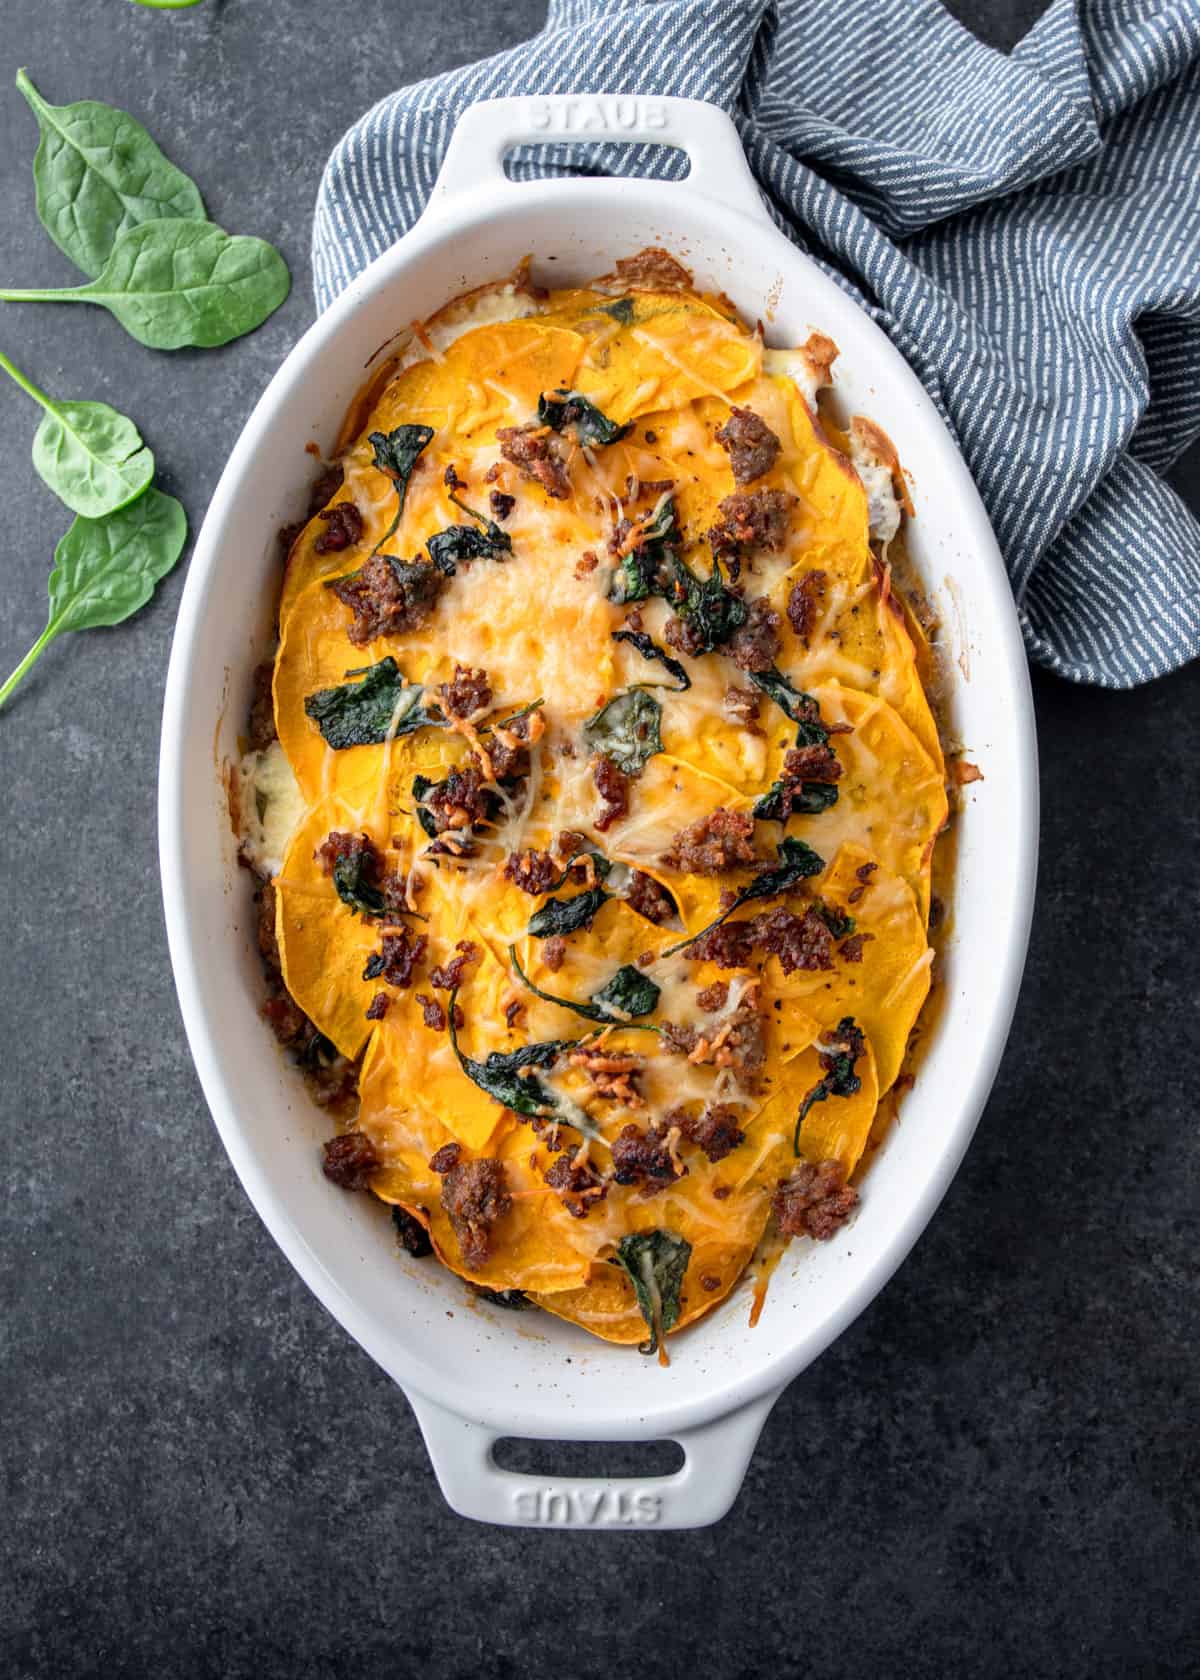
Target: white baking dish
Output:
[{"x": 471, "y": 1372}]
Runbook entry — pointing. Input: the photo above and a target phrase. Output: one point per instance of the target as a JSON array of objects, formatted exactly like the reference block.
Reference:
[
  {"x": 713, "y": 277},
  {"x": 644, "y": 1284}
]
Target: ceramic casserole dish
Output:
[{"x": 471, "y": 1375}]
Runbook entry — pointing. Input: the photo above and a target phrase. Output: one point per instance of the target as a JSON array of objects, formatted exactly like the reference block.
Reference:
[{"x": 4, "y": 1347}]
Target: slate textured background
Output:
[{"x": 992, "y": 1473}]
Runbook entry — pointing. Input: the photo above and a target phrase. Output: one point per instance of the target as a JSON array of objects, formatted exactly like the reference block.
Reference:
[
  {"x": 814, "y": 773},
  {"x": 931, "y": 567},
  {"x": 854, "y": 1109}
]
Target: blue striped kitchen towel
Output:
[{"x": 1026, "y": 227}]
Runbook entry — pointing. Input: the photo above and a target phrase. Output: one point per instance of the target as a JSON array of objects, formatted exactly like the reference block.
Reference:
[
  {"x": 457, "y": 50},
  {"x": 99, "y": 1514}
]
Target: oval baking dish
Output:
[{"x": 469, "y": 1376}]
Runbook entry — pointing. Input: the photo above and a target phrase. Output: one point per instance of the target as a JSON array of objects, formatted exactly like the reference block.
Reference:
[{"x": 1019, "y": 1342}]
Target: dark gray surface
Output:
[{"x": 992, "y": 1473}]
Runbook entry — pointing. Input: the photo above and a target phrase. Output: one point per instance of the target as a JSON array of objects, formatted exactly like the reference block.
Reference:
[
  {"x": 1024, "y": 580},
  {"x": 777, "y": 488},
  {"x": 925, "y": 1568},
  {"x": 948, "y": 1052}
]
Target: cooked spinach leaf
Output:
[
  {"x": 839, "y": 924},
  {"x": 177, "y": 283},
  {"x": 559, "y": 916},
  {"x": 561, "y": 409},
  {"x": 105, "y": 569},
  {"x": 797, "y": 705},
  {"x": 98, "y": 173},
  {"x": 627, "y": 730},
  {"x": 621, "y": 310},
  {"x": 422, "y": 785},
  {"x": 840, "y": 1079},
  {"x": 786, "y": 798},
  {"x": 628, "y": 994},
  {"x": 92, "y": 457},
  {"x": 647, "y": 568},
  {"x": 656, "y": 1262},
  {"x": 382, "y": 704},
  {"x": 649, "y": 649},
  {"x": 797, "y": 862},
  {"x": 464, "y": 542},
  {"x": 707, "y": 605},
  {"x": 353, "y": 888},
  {"x": 499, "y": 1075},
  {"x": 396, "y": 454}
]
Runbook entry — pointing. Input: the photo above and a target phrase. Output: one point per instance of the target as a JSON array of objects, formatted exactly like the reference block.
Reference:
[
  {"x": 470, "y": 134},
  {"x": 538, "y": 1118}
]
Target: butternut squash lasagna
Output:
[{"x": 593, "y": 792}]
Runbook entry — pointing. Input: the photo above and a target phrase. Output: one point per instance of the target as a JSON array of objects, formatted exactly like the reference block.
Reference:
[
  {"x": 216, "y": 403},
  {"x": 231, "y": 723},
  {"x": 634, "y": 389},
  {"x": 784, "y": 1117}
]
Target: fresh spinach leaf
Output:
[
  {"x": 97, "y": 173},
  {"x": 175, "y": 283},
  {"x": 381, "y": 704},
  {"x": 561, "y": 409},
  {"x": 797, "y": 862},
  {"x": 105, "y": 569},
  {"x": 353, "y": 887},
  {"x": 649, "y": 649},
  {"x": 92, "y": 458},
  {"x": 560, "y": 916},
  {"x": 656, "y": 1262},
  {"x": 840, "y": 1079},
  {"x": 629, "y": 994},
  {"x": 621, "y": 310},
  {"x": 627, "y": 730}
]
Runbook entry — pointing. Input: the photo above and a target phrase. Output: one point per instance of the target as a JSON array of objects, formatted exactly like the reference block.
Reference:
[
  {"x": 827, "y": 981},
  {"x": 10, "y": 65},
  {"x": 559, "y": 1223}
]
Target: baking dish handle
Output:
[
  {"x": 716, "y": 1456},
  {"x": 487, "y": 130}
]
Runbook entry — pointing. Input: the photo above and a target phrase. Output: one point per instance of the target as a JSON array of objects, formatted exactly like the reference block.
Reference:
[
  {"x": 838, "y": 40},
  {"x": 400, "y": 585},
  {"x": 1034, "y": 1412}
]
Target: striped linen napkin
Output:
[{"x": 1026, "y": 228}]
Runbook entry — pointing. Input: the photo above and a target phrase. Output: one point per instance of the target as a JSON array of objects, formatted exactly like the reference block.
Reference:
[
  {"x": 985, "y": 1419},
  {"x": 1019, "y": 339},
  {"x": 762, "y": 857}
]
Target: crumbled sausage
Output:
[
  {"x": 554, "y": 951},
  {"x": 501, "y": 504},
  {"x": 804, "y": 598},
  {"x": 720, "y": 841},
  {"x": 649, "y": 898},
  {"x": 715, "y": 1131},
  {"x": 268, "y": 945},
  {"x": 816, "y": 763},
  {"x": 413, "y": 1237},
  {"x": 533, "y": 871},
  {"x": 392, "y": 884},
  {"x": 467, "y": 693},
  {"x": 800, "y": 942},
  {"x": 444, "y": 1158},
  {"x": 449, "y": 975},
  {"x": 815, "y": 1201},
  {"x": 851, "y": 950},
  {"x": 343, "y": 528},
  {"x": 578, "y": 1183},
  {"x": 756, "y": 518},
  {"x": 741, "y": 706},
  {"x": 378, "y": 1006},
  {"x": 396, "y": 960},
  {"x": 714, "y": 997},
  {"x": 389, "y": 597},
  {"x": 349, "y": 1160},
  {"x": 644, "y": 1157},
  {"x": 612, "y": 785},
  {"x": 533, "y": 450},
  {"x": 432, "y": 1013},
  {"x": 461, "y": 801},
  {"x": 475, "y": 1195},
  {"x": 684, "y": 637},
  {"x": 755, "y": 645},
  {"x": 260, "y": 729},
  {"x": 324, "y": 487},
  {"x": 750, "y": 444},
  {"x": 586, "y": 563}
]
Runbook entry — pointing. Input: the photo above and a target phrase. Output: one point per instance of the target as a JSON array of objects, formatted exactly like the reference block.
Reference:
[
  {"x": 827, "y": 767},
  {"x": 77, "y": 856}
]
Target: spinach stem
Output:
[
  {"x": 26, "y": 385},
  {"x": 58, "y": 294},
  {"x": 35, "y": 652}
]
